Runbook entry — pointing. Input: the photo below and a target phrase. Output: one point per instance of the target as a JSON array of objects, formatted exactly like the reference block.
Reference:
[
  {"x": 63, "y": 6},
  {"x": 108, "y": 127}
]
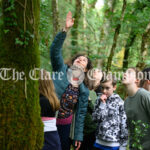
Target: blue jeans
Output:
[
  {"x": 51, "y": 141},
  {"x": 101, "y": 147}
]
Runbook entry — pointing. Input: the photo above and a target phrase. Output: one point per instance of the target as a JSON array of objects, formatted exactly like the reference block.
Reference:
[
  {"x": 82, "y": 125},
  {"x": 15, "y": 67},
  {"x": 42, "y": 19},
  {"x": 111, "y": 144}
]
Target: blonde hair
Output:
[{"x": 46, "y": 88}]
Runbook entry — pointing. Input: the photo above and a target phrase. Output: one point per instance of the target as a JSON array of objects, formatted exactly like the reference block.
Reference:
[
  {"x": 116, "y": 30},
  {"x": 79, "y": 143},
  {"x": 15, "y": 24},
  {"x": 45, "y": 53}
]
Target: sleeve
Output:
[
  {"x": 80, "y": 116},
  {"x": 146, "y": 103},
  {"x": 56, "y": 52},
  {"x": 123, "y": 127},
  {"x": 100, "y": 111}
]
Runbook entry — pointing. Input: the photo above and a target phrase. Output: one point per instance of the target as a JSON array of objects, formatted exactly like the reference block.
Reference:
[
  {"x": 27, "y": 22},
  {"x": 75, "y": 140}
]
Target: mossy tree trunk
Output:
[
  {"x": 144, "y": 47},
  {"x": 117, "y": 31},
  {"x": 129, "y": 43},
  {"x": 20, "y": 122},
  {"x": 109, "y": 9},
  {"x": 55, "y": 17},
  {"x": 74, "y": 31},
  {"x": 131, "y": 37}
]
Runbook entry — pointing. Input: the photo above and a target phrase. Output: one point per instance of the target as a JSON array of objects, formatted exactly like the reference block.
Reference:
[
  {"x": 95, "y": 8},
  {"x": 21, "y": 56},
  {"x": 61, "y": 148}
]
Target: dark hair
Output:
[
  {"x": 89, "y": 64},
  {"x": 136, "y": 71},
  {"x": 110, "y": 77},
  {"x": 146, "y": 76},
  {"x": 98, "y": 90},
  {"x": 146, "y": 73}
]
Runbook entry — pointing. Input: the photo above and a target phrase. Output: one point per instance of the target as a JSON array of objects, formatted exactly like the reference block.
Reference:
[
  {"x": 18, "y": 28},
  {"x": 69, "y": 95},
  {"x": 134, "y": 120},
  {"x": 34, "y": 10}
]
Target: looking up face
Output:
[
  {"x": 97, "y": 74},
  {"x": 129, "y": 77},
  {"x": 107, "y": 88},
  {"x": 82, "y": 62}
]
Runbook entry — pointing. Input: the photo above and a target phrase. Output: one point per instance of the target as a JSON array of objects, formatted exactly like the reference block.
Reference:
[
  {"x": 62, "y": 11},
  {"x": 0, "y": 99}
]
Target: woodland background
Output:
[{"x": 115, "y": 34}]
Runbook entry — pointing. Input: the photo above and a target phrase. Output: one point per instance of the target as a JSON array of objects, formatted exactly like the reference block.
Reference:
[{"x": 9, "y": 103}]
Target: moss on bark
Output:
[{"x": 20, "y": 122}]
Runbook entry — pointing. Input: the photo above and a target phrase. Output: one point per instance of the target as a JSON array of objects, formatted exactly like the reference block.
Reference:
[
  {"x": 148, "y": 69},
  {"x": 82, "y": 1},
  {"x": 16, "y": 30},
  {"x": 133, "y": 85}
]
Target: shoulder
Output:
[
  {"x": 83, "y": 89},
  {"x": 44, "y": 101},
  {"x": 43, "y": 98},
  {"x": 117, "y": 99},
  {"x": 143, "y": 92},
  {"x": 83, "y": 94},
  {"x": 62, "y": 72},
  {"x": 144, "y": 95}
]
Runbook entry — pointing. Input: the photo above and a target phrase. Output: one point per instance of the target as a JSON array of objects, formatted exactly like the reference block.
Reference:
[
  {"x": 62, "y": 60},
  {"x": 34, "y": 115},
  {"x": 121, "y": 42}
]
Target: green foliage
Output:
[
  {"x": 140, "y": 130},
  {"x": 24, "y": 38},
  {"x": 45, "y": 31},
  {"x": 96, "y": 29},
  {"x": 11, "y": 6}
]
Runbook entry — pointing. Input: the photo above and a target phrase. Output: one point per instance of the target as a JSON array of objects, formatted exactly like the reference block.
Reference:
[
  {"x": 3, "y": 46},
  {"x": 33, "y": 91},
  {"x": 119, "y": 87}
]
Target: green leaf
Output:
[
  {"x": 18, "y": 42},
  {"x": 6, "y": 31}
]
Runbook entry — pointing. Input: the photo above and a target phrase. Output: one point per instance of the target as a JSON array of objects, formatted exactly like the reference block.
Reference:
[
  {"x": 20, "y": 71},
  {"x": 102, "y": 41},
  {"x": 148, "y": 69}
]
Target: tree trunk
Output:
[
  {"x": 84, "y": 7},
  {"x": 144, "y": 47},
  {"x": 93, "y": 4},
  {"x": 55, "y": 17},
  {"x": 129, "y": 43},
  {"x": 74, "y": 31},
  {"x": 117, "y": 30},
  {"x": 131, "y": 38},
  {"x": 110, "y": 6},
  {"x": 20, "y": 122}
]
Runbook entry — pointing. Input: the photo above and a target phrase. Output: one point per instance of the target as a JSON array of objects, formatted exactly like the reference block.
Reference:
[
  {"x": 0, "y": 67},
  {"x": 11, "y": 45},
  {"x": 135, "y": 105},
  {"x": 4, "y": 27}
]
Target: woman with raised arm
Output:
[{"x": 71, "y": 91}]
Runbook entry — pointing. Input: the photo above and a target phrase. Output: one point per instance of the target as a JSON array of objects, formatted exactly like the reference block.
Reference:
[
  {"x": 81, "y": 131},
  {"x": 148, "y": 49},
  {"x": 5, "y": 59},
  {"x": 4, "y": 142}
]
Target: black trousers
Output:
[
  {"x": 88, "y": 142},
  {"x": 64, "y": 131}
]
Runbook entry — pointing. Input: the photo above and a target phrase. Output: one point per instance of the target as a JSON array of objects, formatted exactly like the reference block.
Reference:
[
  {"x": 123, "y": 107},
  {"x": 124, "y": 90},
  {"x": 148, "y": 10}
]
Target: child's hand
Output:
[{"x": 103, "y": 98}]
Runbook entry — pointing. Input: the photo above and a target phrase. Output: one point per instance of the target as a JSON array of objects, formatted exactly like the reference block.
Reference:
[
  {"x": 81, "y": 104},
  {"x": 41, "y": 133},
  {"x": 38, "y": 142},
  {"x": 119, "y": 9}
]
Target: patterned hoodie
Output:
[{"x": 111, "y": 118}]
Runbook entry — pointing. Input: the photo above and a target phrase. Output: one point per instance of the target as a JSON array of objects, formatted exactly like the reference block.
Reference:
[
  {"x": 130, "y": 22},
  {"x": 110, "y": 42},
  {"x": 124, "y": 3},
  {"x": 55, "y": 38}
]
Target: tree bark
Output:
[
  {"x": 20, "y": 122},
  {"x": 131, "y": 38},
  {"x": 117, "y": 30},
  {"x": 103, "y": 34},
  {"x": 55, "y": 16},
  {"x": 144, "y": 47},
  {"x": 93, "y": 4},
  {"x": 129, "y": 43},
  {"x": 74, "y": 31}
]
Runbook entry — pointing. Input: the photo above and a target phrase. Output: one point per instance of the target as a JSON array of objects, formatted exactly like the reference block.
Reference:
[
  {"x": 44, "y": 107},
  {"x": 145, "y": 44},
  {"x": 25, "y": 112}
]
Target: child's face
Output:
[
  {"x": 97, "y": 74},
  {"x": 107, "y": 88},
  {"x": 129, "y": 77}
]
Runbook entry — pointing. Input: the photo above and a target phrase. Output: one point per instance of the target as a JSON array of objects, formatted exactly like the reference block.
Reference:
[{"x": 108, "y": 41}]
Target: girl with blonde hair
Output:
[{"x": 49, "y": 105}]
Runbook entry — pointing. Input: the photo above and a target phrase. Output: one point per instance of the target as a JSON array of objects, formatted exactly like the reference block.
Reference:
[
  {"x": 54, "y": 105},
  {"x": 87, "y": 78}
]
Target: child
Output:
[
  {"x": 94, "y": 78},
  {"x": 49, "y": 105},
  {"x": 145, "y": 83},
  {"x": 137, "y": 107},
  {"x": 109, "y": 112}
]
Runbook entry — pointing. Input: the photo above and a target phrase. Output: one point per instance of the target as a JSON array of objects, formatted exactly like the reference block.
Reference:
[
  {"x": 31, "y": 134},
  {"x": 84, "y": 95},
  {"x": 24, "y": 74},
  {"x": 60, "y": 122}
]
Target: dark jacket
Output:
[
  {"x": 46, "y": 108},
  {"x": 61, "y": 84}
]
